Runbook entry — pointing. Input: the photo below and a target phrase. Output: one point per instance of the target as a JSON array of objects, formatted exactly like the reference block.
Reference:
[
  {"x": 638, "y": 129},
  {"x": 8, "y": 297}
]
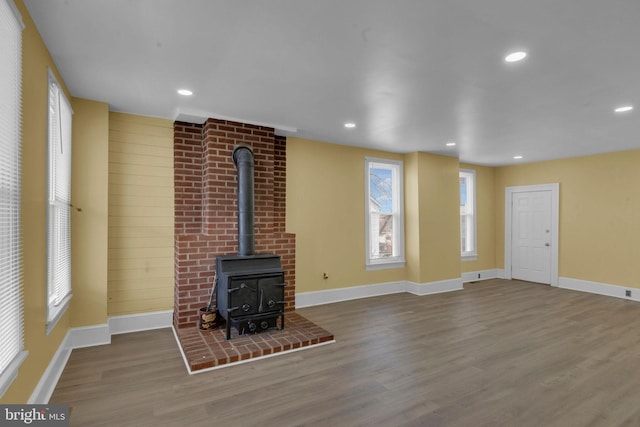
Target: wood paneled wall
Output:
[{"x": 141, "y": 213}]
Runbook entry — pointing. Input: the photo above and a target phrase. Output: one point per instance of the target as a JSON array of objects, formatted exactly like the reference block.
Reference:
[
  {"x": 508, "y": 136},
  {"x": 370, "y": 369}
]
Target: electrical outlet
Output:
[
  {"x": 627, "y": 293},
  {"x": 478, "y": 275}
]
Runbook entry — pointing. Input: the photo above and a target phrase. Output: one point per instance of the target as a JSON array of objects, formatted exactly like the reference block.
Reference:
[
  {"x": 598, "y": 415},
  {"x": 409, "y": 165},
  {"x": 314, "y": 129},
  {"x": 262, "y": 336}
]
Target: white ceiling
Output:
[{"x": 412, "y": 74}]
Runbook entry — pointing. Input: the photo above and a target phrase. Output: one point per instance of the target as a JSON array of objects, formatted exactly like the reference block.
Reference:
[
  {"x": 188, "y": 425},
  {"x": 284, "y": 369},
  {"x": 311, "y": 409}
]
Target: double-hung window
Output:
[
  {"x": 59, "y": 204},
  {"x": 468, "y": 214},
  {"x": 384, "y": 214},
  {"x": 11, "y": 313}
]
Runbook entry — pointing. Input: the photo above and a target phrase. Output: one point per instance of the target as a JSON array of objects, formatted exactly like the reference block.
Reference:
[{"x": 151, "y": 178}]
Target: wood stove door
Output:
[
  {"x": 243, "y": 296},
  {"x": 271, "y": 294}
]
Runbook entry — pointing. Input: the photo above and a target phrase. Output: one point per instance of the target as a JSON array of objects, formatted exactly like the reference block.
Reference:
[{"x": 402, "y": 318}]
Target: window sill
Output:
[
  {"x": 470, "y": 257},
  {"x": 56, "y": 313},
  {"x": 385, "y": 265},
  {"x": 11, "y": 372}
]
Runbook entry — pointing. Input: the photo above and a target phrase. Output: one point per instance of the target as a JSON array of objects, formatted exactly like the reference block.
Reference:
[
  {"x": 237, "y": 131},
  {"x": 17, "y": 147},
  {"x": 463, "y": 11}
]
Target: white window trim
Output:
[
  {"x": 473, "y": 254},
  {"x": 14, "y": 54},
  {"x": 397, "y": 261},
  {"x": 55, "y": 309}
]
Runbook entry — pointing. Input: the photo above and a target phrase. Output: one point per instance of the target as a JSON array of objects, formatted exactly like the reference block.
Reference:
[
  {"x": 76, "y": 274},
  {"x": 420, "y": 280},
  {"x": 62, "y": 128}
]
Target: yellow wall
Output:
[
  {"x": 438, "y": 218},
  {"x": 89, "y": 190},
  {"x": 485, "y": 219},
  {"x": 599, "y": 214},
  {"x": 412, "y": 207},
  {"x": 325, "y": 209},
  {"x": 599, "y": 221},
  {"x": 140, "y": 277},
  {"x": 35, "y": 63}
]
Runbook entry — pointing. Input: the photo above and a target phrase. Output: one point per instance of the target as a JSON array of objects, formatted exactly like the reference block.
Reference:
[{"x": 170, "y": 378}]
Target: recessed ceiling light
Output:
[
  {"x": 350, "y": 125},
  {"x": 515, "y": 56},
  {"x": 517, "y": 157},
  {"x": 624, "y": 108},
  {"x": 451, "y": 144},
  {"x": 185, "y": 92}
]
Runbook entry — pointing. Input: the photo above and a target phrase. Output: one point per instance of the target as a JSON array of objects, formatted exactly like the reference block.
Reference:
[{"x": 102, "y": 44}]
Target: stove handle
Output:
[
  {"x": 242, "y": 286},
  {"x": 261, "y": 298},
  {"x": 244, "y": 307},
  {"x": 272, "y": 303}
]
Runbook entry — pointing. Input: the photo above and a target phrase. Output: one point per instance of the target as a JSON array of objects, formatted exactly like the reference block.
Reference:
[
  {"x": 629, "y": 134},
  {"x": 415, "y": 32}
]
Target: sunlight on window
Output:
[
  {"x": 467, "y": 213},
  {"x": 385, "y": 240}
]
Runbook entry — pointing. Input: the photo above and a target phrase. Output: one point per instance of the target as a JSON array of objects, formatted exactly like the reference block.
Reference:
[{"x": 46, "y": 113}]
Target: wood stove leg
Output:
[{"x": 229, "y": 329}]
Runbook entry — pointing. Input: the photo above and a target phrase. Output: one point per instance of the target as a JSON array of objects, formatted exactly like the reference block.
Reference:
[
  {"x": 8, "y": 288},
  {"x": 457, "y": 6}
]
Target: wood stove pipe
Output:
[{"x": 243, "y": 159}]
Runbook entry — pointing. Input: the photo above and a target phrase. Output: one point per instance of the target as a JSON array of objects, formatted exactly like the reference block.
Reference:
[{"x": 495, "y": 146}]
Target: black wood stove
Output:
[
  {"x": 250, "y": 287},
  {"x": 250, "y": 292}
]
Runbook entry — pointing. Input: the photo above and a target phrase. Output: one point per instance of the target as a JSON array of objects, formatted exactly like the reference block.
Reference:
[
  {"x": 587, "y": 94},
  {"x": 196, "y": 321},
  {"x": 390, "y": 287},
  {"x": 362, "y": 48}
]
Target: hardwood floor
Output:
[{"x": 498, "y": 353}]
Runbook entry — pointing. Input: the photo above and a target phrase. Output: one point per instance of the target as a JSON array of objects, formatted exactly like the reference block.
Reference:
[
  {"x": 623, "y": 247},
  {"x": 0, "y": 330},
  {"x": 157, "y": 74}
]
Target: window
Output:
[
  {"x": 384, "y": 214},
  {"x": 59, "y": 204},
  {"x": 11, "y": 327},
  {"x": 468, "y": 214}
]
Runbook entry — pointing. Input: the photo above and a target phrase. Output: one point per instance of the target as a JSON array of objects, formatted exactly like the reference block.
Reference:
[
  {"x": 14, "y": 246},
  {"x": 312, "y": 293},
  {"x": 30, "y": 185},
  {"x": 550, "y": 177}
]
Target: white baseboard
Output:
[
  {"x": 75, "y": 338},
  {"x": 140, "y": 322},
  {"x": 502, "y": 274},
  {"x": 43, "y": 391},
  {"x": 599, "y": 288},
  {"x": 474, "y": 276},
  {"x": 437, "y": 287},
  {"x": 90, "y": 336},
  {"x": 308, "y": 299}
]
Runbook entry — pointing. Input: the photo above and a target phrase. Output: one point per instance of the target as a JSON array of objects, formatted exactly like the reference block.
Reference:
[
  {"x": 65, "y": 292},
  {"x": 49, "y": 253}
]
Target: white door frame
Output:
[{"x": 555, "y": 221}]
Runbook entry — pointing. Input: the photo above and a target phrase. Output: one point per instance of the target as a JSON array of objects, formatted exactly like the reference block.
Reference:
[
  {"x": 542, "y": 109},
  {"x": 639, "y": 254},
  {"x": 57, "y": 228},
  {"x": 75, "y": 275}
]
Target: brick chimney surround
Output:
[{"x": 206, "y": 223}]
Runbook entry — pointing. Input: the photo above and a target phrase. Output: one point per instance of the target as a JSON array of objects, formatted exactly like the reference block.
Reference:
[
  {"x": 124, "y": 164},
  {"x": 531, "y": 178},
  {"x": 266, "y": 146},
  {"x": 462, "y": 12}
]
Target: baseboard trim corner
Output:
[
  {"x": 437, "y": 287},
  {"x": 329, "y": 296},
  {"x": 90, "y": 336},
  {"x": 140, "y": 322},
  {"x": 308, "y": 299}
]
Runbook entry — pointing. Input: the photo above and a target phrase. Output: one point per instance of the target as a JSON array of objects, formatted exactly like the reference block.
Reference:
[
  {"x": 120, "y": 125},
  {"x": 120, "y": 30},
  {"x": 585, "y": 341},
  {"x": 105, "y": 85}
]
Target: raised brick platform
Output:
[{"x": 207, "y": 349}]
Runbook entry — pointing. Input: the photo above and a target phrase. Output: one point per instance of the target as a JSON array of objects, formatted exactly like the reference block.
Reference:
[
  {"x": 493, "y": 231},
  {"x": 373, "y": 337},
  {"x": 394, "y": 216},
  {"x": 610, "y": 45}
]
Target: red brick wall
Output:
[{"x": 206, "y": 207}]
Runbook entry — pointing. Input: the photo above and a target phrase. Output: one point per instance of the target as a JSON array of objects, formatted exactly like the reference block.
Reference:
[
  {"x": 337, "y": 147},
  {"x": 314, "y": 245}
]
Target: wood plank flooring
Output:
[{"x": 499, "y": 353}]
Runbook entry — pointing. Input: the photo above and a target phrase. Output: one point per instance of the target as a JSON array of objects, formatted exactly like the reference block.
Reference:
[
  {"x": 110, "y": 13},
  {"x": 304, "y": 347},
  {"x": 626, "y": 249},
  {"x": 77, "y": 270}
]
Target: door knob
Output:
[{"x": 547, "y": 244}]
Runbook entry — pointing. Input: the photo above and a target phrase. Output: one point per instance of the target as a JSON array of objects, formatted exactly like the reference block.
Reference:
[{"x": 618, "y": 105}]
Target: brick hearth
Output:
[{"x": 207, "y": 349}]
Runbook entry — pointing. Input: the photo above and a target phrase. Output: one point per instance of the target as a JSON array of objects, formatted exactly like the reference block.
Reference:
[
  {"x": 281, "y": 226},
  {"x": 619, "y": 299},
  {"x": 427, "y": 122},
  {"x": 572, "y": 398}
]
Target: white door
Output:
[{"x": 531, "y": 236}]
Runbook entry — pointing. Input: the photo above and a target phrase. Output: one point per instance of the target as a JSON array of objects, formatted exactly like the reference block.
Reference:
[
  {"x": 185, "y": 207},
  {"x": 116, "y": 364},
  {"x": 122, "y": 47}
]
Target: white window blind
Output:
[
  {"x": 11, "y": 321},
  {"x": 59, "y": 204}
]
